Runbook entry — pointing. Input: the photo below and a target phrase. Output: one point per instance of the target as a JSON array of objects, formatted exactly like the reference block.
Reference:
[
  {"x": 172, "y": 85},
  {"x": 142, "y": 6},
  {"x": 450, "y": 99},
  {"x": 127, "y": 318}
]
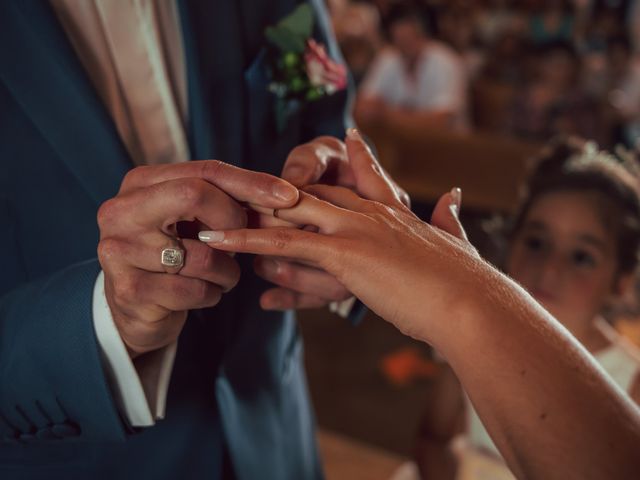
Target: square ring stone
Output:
[{"x": 172, "y": 257}]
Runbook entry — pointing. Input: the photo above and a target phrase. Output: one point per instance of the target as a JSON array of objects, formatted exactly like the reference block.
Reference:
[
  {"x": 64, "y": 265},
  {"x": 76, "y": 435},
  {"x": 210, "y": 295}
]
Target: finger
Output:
[
  {"x": 446, "y": 214},
  {"x": 301, "y": 279},
  {"x": 142, "y": 336},
  {"x": 267, "y": 220},
  {"x": 285, "y": 299},
  {"x": 339, "y": 196},
  {"x": 309, "y": 163},
  {"x": 298, "y": 261},
  {"x": 312, "y": 211},
  {"x": 243, "y": 185},
  {"x": 371, "y": 181},
  {"x": 200, "y": 261},
  {"x": 310, "y": 247},
  {"x": 163, "y": 204},
  {"x": 261, "y": 217},
  {"x": 142, "y": 290},
  {"x": 208, "y": 264},
  {"x": 404, "y": 197}
]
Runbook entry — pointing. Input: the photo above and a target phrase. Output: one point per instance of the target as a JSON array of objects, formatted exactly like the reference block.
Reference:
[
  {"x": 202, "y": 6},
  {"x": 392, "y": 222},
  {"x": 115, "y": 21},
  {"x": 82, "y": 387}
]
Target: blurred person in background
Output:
[
  {"x": 554, "y": 102},
  {"x": 357, "y": 29},
  {"x": 416, "y": 79},
  {"x": 552, "y": 20},
  {"x": 633, "y": 24},
  {"x": 457, "y": 27},
  {"x": 574, "y": 246},
  {"x": 495, "y": 17},
  {"x": 500, "y": 79},
  {"x": 623, "y": 91}
]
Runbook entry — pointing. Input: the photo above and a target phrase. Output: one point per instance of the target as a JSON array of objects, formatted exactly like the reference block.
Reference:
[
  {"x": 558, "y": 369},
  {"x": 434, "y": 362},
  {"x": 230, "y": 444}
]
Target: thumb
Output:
[
  {"x": 446, "y": 214},
  {"x": 371, "y": 181}
]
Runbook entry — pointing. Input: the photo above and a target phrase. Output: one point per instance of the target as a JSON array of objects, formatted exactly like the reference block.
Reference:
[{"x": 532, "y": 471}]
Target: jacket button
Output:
[{"x": 66, "y": 429}]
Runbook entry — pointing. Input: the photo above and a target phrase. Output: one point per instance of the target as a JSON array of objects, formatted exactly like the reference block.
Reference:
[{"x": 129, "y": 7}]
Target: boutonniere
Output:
[{"x": 300, "y": 70}]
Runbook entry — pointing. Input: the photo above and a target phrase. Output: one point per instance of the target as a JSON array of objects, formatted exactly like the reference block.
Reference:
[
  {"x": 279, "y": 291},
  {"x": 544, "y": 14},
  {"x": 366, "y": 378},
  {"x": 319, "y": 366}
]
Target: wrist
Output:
[{"x": 483, "y": 298}]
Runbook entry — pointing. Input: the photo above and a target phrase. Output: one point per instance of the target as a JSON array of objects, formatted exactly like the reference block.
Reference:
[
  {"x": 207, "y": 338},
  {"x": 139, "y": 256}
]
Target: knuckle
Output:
[
  {"x": 233, "y": 276},
  {"x": 126, "y": 288},
  {"x": 200, "y": 292},
  {"x": 191, "y": 192},
  {"x": 211, "y": 168},
  {"x": 286, "y": 274},
  {"x": 135, "y": 176},
  {"x": 382, "y": 210},
  {"x": 207, "y": 259},
  {"x": 205, "y": 293},
  {"x": 281, "y": 239},
  {"x": 214, "y": 297},
  {"x": 107, "y": 213},
  {"x": 108, "y": 248}
]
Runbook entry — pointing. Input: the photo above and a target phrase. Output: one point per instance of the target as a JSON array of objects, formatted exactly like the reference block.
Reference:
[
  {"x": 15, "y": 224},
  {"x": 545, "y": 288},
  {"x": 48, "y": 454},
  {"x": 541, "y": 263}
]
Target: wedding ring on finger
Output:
[{"x": 172, "y": 259}]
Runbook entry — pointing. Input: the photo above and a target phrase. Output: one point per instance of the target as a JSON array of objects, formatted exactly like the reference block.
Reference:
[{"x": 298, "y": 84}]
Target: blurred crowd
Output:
[{"x": 531, "y": 69}]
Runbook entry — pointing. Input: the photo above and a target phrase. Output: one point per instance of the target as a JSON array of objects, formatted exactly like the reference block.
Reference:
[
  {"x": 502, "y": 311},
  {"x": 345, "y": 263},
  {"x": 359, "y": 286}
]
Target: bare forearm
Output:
[{"x": 548, "y": 407}]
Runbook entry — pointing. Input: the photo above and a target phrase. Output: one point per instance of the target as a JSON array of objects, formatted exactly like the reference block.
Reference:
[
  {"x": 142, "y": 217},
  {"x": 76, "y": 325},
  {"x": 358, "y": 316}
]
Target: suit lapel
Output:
[
  {"x": 218, "y": 47},
  {"x": 199, "y": 129},
  {"x": 40, "y": 69}
]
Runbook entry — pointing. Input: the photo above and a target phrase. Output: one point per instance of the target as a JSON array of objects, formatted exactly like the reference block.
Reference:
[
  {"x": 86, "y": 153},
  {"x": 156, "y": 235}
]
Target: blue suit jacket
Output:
[{"x": 238, "y": 382}]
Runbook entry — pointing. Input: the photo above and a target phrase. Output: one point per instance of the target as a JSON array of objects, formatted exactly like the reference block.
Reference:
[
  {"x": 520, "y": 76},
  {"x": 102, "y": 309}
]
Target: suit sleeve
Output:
[{"x": 52, "y": 383}]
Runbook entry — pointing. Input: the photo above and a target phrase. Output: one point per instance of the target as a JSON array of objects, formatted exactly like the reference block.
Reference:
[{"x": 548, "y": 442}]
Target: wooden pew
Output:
[{"x": 489, "y": 168}]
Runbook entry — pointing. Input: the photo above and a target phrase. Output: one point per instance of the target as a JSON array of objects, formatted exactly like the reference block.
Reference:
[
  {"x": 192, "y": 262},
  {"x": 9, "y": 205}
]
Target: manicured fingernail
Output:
[
  {"x": 211, "y": 236},
  {"x": 453, "y": 208},
  {"x": 456, "y": 196},
  {"x": 271, "y": 266},
  {"x": 284, "y": 191},
  {"x": 353, "y": 134}
]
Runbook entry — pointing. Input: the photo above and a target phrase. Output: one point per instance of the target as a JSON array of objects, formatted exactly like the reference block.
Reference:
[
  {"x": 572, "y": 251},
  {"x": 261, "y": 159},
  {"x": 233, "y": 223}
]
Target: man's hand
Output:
[
  {"x": 324, "y": 160},
  {"x": 149, "y": 301}
]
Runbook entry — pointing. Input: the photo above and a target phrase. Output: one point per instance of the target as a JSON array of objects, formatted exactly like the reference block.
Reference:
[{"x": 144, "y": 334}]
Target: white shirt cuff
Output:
[
  {"x": 342, "y": 308},
  {"x": 141, "y": 389}
]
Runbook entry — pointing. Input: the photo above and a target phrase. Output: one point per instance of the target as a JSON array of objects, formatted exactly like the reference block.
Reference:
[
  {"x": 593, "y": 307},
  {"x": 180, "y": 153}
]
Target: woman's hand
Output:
[
  {"x": 550, "y": 411},
  {"x": 379, "y": 250},
  {"x": 324, "y": 161}
]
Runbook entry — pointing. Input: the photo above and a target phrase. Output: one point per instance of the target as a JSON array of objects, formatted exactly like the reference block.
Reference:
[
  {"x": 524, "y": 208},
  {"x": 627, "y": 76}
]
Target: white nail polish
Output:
[
  {"x": 211, "y": 236},
  {"x": 456, "y": 195},
  {"x": 353, "y": 134},
  {"x": 454, "y": 209}
]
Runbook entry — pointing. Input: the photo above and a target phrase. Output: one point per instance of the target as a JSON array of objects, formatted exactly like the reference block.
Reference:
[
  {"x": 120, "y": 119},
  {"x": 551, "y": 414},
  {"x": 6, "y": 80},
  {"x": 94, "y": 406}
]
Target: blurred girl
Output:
[{"x": 574, "y": 246}]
